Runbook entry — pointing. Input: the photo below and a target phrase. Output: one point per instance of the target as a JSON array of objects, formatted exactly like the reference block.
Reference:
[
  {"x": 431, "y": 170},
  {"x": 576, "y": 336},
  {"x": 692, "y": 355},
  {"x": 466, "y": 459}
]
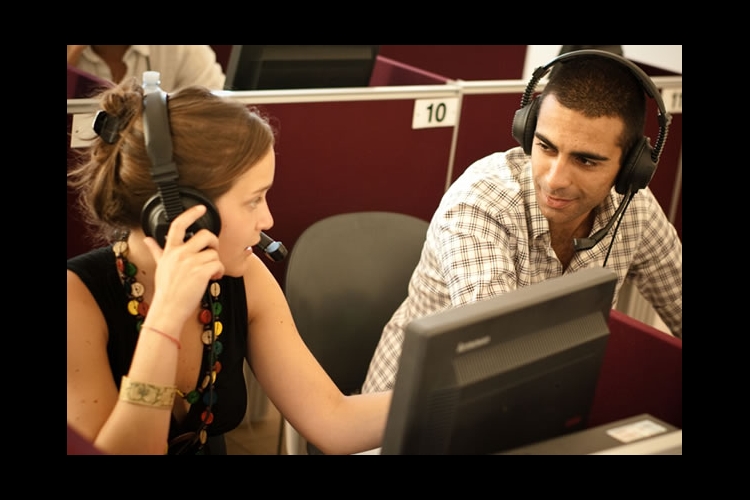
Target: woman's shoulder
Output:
[
  {"x": 91, "y": 260},
  {"x": 97, "y": 270}
]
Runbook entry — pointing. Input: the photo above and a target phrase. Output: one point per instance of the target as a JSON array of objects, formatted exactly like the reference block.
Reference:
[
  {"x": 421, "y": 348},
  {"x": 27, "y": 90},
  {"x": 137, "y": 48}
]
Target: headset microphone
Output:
[
  {"x": 274, "y": 250},
  {"x": 586, "y": 243}
]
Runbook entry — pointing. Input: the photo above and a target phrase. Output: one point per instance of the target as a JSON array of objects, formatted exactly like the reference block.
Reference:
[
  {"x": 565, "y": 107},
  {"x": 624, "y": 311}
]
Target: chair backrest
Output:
[{"x": 346, "y": 275}]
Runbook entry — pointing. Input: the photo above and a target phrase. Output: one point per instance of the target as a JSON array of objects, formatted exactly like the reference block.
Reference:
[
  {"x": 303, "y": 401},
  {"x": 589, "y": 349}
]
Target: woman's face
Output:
[{"x": 245, "y": 213}]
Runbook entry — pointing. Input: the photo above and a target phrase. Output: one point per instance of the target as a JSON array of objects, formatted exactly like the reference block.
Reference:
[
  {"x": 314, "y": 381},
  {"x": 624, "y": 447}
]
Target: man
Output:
[{"x": 511, "y": 219}]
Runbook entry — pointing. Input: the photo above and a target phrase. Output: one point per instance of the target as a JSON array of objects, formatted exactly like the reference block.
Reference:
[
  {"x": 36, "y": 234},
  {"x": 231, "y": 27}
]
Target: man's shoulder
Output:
[
  {"x": 513, "y": 158},
  {"x": 505, "y": 171},
  {"x": 497, "y": 184}
]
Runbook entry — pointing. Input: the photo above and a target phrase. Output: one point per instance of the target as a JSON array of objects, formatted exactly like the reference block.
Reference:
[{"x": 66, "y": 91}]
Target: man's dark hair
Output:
[
  {"x": 615, "y": 49},
  {"x": 599, "y": 86}
]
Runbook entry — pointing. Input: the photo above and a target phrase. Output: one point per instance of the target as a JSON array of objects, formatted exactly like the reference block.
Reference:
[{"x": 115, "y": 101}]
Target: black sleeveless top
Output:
[{"x": 98, "y": 271}]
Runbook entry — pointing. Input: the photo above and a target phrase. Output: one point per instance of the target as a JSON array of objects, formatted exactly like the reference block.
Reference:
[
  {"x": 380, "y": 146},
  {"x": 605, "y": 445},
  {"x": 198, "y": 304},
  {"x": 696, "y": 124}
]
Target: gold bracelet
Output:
[{"x": 141, "y": 393}]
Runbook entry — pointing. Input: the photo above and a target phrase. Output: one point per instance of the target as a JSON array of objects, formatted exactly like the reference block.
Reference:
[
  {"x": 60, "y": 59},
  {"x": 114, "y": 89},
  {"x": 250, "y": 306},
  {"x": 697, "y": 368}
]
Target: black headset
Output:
[
  {"x": 171, "y": 200},
  {"x": 639, "y": 164}
]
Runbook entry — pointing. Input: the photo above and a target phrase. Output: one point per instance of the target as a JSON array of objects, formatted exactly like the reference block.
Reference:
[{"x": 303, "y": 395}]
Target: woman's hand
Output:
[{"x": 184, "y": 268}]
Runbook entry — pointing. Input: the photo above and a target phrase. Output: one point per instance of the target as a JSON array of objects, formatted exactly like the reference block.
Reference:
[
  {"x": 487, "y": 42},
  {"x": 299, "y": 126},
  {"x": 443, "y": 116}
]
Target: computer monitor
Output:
[
  {"x": 502, "y": 372},
  {"x": 279, "y": 67}
]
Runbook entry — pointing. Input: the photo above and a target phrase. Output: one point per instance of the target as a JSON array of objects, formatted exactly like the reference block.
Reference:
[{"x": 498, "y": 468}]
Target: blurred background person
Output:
[{"x": 179, "y": 65}]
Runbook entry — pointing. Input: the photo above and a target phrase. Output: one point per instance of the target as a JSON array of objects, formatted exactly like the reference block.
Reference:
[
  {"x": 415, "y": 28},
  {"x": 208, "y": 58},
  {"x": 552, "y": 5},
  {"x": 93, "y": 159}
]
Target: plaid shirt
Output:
[{"x": 488, "y": 236}]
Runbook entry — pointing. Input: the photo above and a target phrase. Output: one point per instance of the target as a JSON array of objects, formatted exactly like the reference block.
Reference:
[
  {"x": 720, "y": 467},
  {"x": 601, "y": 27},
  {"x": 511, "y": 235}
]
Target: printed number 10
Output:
[
  {"x": 435, "y": 112},
  {"x": 440, "y": 112}
]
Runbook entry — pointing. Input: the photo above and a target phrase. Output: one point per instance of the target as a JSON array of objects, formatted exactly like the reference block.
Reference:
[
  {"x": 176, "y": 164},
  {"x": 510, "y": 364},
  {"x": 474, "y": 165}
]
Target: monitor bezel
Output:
[
  {"x": 286, "y": 67},
  {"x": 536, "y": 345}
]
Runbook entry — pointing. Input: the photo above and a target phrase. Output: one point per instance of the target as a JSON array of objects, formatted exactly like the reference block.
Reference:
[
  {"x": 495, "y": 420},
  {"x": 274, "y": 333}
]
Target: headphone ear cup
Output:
[
  {"x": 154, "y": 216},
  {"x": 524, "y": 124},
  {"x": 637, "y": 169}
]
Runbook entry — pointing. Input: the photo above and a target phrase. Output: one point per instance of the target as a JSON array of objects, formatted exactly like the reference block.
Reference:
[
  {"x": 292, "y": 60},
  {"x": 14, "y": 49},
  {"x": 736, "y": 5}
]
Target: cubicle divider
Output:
[
  {"x": 641, "y": 373},
  {"x": 487, "y": 109}
]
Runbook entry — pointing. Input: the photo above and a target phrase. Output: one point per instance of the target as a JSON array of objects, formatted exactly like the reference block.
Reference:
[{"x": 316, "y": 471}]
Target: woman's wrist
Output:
[
  {"x": 147, "y": 394},
  {"x": 174, "y": 340}
]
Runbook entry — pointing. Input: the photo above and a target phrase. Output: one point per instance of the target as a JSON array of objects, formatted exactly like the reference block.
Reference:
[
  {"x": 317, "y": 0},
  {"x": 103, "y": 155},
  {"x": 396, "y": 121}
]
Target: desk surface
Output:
[{"x": 641, "y": 434}]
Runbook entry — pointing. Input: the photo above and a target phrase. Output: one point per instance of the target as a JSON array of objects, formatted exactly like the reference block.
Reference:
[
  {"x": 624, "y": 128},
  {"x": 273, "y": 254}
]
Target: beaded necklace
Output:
[{"x": 189, "y": 442}]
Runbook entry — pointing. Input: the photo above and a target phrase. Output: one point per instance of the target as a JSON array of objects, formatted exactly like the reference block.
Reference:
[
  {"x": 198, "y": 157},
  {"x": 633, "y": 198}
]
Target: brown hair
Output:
[{"x": 215, "y": 140}]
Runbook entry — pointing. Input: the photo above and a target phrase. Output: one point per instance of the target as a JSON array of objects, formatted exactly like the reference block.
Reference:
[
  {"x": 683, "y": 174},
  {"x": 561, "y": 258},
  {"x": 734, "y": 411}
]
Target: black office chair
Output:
[{"x": 346, "y": 276}]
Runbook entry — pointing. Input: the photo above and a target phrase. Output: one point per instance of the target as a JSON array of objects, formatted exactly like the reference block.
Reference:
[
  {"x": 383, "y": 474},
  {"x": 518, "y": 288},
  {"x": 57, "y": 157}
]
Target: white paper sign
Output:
[
  {"x": 82, "y": 130},
  {"x": 672, "y": 100},
  {"x": 435, "y": 113}
]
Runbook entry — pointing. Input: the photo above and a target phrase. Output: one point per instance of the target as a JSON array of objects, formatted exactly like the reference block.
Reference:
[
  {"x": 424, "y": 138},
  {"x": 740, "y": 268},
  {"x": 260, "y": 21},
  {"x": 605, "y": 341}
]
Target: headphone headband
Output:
[
  {"x": 646, "y": 84},
  {"x": 170, "y": 200}
]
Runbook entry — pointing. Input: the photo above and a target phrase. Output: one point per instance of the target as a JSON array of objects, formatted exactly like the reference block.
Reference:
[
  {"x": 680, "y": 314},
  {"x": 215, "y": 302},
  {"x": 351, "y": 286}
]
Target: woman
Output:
[{"x": 157, "y": 334}]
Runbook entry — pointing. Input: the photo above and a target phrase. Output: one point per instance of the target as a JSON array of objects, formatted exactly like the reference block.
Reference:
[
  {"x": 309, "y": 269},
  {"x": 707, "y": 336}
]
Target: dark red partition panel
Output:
[
  {"x": 336, "y": 157},
  {"x": 464, "y": 62},
  {"x": 484, "y": 127},
  {"x": 641, "y": 373},
  {"x": 388, "y": 71}
]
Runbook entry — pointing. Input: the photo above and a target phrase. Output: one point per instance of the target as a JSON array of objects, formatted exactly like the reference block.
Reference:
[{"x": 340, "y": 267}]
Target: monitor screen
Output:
[
  {"x": 502, "y": 372},
  {"x": 279, "y": 67}
]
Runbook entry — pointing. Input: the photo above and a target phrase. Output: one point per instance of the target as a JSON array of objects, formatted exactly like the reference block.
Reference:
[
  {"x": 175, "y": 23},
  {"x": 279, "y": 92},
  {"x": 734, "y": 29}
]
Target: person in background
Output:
[
  {"x": 511, "y": 218},
  {"x": 158, "y": 331},
  {"x": 179, "y": 65}
]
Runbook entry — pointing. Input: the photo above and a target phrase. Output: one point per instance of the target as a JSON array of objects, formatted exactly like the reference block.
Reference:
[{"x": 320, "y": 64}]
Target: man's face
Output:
[{"x": 575, "y": 160}]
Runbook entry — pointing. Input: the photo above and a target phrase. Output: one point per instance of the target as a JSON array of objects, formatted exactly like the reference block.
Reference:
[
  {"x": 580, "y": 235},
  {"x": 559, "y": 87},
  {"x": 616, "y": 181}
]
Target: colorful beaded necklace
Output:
[{"x": 189, "y": 442}]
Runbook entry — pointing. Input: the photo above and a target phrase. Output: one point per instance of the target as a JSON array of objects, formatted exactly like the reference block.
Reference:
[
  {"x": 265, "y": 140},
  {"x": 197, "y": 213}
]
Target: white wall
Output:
[{"x": 662, "y": 56}]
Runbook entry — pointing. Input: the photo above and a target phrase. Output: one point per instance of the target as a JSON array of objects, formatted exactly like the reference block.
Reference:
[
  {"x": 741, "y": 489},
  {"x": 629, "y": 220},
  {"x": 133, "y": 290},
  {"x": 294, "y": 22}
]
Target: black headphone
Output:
[
  {"x": 171, "y": 200},
  {"x": 640, "y": 161}
]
